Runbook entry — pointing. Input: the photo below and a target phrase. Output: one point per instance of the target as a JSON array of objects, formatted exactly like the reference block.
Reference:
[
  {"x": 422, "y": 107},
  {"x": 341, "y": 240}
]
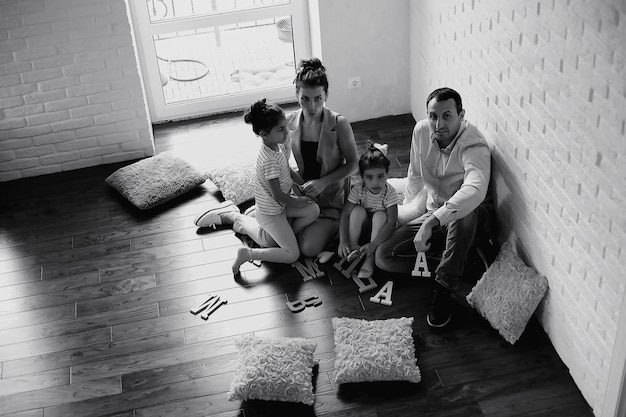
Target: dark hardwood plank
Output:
[
  {"x": 39, "y": 316},
  {"x": 49, "y": 286},
  {"x": 215, "y": 405},
  {"x": 88, "y": 354},
  {"x": 35, "y": 248},
  {"x": 21, "y": 276},
  {"x": 41, "y": 380},
  {"x": 51, "y": 344},
  {"x": 555, "y": 394},
  {"x": 73, "y": 325},
  {"x": 66, "y": 394},
  {"x": 138, "y": 360},
  {"x": 144, "y": 398},
  {"x": 94, "y": 252},
  {"x": 38, "y": 412}
]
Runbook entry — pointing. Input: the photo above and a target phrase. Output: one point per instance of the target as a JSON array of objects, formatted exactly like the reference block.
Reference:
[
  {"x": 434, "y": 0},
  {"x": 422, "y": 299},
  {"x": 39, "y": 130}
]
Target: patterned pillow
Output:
[
  {"x": 274, "y": 369},
  {"x": 236, "y": 181},
  {"x": 508, "y": 294},
  {"x": 155, "y": 180},
  {"x": 377, "y": 350}
]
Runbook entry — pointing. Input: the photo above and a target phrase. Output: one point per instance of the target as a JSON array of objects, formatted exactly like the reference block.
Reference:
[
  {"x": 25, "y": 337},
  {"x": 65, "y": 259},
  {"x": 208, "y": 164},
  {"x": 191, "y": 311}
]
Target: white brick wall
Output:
[
  {"x": 70, "y": 91},
  {"x": 545, "y": 81}
]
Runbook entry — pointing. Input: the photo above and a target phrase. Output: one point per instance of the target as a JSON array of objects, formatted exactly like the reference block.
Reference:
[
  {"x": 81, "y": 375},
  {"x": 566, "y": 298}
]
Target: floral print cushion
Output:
[
  {"x": 377, "y": 350},
  {"x": 274, "y": 369},
  {"x": 508, "y": 294}
]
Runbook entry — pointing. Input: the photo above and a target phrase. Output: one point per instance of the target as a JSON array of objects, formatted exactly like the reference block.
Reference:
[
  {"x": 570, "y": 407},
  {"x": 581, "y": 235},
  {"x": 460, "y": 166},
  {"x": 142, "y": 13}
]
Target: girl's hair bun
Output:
[{"x": 263, "y": 116}]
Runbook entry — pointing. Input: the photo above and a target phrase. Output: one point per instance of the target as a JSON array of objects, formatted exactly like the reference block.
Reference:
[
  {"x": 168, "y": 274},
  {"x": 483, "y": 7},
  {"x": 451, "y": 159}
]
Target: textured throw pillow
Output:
[
  {"x": 155, "y": 180},
  {"x": 377, "y": 350},
  {"x": 236, "y": 181},
  {"x": 274, "y": 369},
  {"x": 508, "y": 294}
]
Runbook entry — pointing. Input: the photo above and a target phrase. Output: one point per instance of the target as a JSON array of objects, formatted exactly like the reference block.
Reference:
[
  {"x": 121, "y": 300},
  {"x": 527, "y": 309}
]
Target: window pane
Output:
[
  {"x": 165, "y": 10},
  {"x": 225, "y": 60}
]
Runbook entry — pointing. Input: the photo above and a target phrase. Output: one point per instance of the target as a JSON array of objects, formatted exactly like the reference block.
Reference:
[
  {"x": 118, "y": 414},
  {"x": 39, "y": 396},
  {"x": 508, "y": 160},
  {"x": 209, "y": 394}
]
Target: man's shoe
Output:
[
  {"x": 212, "y": 216},
  {"x": 440, "y": 314}
]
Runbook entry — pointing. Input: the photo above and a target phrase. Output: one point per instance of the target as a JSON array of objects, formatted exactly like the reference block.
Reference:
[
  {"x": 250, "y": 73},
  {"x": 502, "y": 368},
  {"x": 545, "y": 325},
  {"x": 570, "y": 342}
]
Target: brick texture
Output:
[
  {"x": 70, "y": 91},
  {"x": 545, "y": 81}
]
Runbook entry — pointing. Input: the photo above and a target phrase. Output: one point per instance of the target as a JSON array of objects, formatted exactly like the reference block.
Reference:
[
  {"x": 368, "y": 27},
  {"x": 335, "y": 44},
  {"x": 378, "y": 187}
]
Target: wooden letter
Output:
[
  {"x": 362, "y": 285},
  {"x": 421, "y": 267},
  {"x": 384, "y": 295},
  {"x": 209, "y": 301},
  {"x": 312, "y": 301},
  {"x": 296, "y": 306},
  {"x": 347, "y": 272},
  {"x": 310, "y": 271},
  {"x": 218, "y": 302}
]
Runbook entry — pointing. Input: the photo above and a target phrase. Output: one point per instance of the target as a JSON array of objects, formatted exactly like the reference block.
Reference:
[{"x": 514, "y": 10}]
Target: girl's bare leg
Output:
[
  {"x": 358, "y": 218},
  {"x": 378, "y": 220}
]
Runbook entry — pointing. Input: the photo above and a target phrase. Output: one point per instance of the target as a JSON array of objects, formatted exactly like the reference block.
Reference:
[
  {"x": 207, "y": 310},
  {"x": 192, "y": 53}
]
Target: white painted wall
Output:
[
  {"x": 370, "y": 39},
  {"x": 70, "y": 92},
  {"x": 545, "y": 82}
]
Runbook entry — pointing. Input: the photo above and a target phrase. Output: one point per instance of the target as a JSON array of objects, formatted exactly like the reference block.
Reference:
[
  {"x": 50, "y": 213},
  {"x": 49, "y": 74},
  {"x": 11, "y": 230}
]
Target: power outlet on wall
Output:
[{"x": 354, "y": 82}]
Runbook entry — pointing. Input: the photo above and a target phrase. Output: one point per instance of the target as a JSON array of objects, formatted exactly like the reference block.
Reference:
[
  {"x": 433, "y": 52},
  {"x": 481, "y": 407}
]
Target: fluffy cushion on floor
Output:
[
  {"x": 155, "y": 180},
  {"x": 508, "y": 294},
  {"x": 236, "y": 181},
  {"x": 274, "y": 369},
  {"x": 377, "y": 350}
]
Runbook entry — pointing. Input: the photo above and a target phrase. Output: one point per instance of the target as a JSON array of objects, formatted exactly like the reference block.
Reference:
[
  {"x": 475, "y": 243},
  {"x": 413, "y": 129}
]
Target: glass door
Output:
[{"x": 207, "y": 56}]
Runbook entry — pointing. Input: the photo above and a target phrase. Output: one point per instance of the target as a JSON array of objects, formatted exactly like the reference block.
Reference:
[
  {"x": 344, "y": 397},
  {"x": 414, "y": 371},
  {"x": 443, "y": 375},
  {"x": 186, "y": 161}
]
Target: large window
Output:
[{"x": 206, "y": 56}]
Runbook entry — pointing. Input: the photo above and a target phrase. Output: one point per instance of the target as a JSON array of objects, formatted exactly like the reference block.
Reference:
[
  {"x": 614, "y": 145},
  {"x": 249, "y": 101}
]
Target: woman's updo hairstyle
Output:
[
  {"x": 263, "y": 116},
  {"x": 311, "y": 73}
]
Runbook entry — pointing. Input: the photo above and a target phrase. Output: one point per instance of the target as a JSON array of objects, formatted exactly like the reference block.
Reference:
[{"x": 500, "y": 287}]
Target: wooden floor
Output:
[{"x": 95, "y": 298}]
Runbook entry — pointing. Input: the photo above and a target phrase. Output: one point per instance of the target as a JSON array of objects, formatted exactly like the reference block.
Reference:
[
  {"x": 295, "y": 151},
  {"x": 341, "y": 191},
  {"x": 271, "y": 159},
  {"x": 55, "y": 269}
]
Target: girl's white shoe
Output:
[{"x": 212, "y": 217}]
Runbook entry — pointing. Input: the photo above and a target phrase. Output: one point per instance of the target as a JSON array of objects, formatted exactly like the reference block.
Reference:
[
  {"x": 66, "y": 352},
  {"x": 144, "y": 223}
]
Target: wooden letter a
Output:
[
  {"x": 421, "y": 267},
  {"x": 383, "y": 296}
]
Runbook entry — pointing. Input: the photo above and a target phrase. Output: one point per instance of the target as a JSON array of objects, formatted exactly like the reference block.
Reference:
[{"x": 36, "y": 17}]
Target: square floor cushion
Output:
[
  {"x": 235, "y": 181},
  {"x": 155, "y": 180},
  {"x": 508, "y": 293},
  {"x": 374, "y": 350},
  {"x": 274, "y": 369}
]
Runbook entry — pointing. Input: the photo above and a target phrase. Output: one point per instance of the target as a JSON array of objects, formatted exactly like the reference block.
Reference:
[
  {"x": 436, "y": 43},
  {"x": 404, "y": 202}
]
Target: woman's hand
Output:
[{"x": 313, "y": 188}]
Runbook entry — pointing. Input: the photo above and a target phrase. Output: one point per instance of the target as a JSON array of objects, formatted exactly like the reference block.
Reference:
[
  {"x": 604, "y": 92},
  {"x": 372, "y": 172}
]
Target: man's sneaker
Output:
[
  {"x": 212, "y": 216},
  {"x": 439, "y": 314}
]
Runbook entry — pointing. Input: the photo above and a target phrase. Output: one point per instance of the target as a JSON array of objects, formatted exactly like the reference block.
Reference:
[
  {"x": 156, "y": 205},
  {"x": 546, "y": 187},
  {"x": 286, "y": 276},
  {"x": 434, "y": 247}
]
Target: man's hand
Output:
[{"x": 422, "y": 237}]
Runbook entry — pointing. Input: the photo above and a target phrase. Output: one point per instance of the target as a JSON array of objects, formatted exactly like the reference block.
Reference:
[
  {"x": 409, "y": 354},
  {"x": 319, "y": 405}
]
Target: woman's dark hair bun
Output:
[{"x": 312, "y": 64}]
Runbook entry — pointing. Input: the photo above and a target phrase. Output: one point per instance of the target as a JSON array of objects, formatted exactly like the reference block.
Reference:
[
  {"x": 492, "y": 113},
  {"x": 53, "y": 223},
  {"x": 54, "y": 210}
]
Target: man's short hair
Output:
[{"x": 446, "y": 93}]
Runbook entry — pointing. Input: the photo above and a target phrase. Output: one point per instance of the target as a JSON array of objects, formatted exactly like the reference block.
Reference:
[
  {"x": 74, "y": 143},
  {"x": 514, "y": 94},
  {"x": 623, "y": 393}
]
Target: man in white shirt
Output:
[{"x": 448, "y": 179}]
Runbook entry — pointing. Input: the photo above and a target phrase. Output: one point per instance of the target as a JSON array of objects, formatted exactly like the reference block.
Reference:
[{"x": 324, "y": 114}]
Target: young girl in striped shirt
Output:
[
  {"x": 280, "y": 213},
  {"x": 372, "y": 204}
]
